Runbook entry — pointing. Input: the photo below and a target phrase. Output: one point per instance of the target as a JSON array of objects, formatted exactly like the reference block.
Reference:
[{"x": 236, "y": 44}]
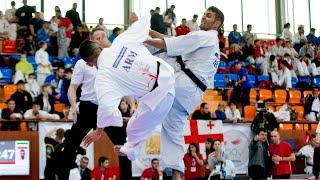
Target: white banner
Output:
[{"x": 44, "y": 128}]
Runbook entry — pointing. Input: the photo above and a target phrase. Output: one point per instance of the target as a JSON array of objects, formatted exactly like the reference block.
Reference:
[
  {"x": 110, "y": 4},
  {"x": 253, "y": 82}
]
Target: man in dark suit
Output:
[
  {"x": 157, "y": 22},
  {"x": 85, "y": 172},
  {"x": 73, "y": 15}
]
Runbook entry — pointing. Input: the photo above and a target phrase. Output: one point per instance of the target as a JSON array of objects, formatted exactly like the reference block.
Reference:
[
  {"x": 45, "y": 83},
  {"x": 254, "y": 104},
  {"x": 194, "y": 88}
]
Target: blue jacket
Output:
[
  {"x": 42, "y": 35},
  {"x": 313, "y": 39},
  {"x": 234, "y": 38}
]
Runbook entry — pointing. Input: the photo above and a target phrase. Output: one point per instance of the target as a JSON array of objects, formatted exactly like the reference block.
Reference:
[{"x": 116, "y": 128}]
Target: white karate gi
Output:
[
  {"x": 200, "y": 51},
  {"x": 128, "y": 69}
]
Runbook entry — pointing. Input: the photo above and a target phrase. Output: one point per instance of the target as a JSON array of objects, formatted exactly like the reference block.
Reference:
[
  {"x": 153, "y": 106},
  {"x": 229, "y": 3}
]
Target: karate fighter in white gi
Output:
[
  {"x": 200, "y": 53},
  {"x": 128, "y": 69}
]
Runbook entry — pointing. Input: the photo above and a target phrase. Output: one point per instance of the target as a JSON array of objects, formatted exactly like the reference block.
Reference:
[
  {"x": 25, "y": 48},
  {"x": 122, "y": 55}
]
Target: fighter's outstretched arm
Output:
[{"x": 157, "y": 43}]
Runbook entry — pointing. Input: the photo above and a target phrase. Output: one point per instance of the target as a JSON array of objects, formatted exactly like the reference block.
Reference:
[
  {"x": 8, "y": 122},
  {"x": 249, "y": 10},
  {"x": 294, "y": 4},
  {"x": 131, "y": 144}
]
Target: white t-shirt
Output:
[
  {"x": 42, "y": 57},
  {"x": 10, "y": 13},
  {"x": 193, "y": 26},
  {"x": 285, "y": 78},
  {"x": 29, "y": 114},
  {"x": 4, "y": 25}
]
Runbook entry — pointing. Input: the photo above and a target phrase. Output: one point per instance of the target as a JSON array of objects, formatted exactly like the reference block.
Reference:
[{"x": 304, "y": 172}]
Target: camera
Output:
[{"x": 261, "y": 107}]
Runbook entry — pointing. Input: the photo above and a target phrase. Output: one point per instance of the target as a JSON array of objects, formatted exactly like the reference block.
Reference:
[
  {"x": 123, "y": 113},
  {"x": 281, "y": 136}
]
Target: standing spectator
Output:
[
  {"x": 287, "y": 35},
  {"x": 307, "y": 151},
  {"x": 36, "y": 24},
  {"x": 288, "y": 49},
  {"x": 22, "y": 98},
  {"x": 102, "y": 171},
  {"x": 220, "y": 112},
  {"x": 249, "y": 34},
  {"x": 299, "y": 39},
  {"x": 216, "y": 160},
  {"x": 64, "y": 35},
  {"x": 11, "y": 13},
  {"x": 44, "y": 66},
  {"x": 73, "y": 15},
  {"x": 312, "y": 38},
  {"x": 243, "y": 84},
  {"x": 77, "y": 39},
  {"x": 232, "y": 113},
  {"x": 154, "y": 172},
  {"x": 24, "y": 14},
  {"x": 65, "y": 86},
  {"x": 234, "y": 36},
  {"x": 168, "y": 22},
  {"x": 4, "y": 27},
  {"x": 44, "y": 33},
  {"x": 183, "y": 29},
  {"x": 259, "y": 160},
  {"x": 157, "y": 22},
  {"x": 281, "y": 154},
  {"x": 23, "y": 69},
  {"x": 315, "y": 65},
  {"x": 36, "y": 113},
  {"x": 85, "y": 172},
  {"x": 312, "y": 106},
  {"x": 193, "y": 161},
  {"x": 54, "y": 22},
  {"x": 307, "y": 49},
  {"x": 209, "y": 149},
  {"x": 173, "y": 15},
  {"x": 32, "y": 86},
  {"x": 193, "y": 24},
  {"x": 202, "y": 113},
  {"x": 45, "y": 99},
  {"x": 101, "y": 24},
  {"x": 29, "y": 46},
  {"x": 285, "y": 75},
  {"x": 115, "y": 32},
  {"x": 56, "y": 82},
  {"x": 11, "y": 113},
  {"x": 277, "y": 49},
  {"x": 248, "y": 50}
]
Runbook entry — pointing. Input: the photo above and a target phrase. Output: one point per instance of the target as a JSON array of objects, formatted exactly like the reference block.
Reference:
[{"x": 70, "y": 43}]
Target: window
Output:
[
  {"x": 64, "y": 7},
  {"x": 5, "y": 4},
  {"x": 298, "y": 12},
  {"x": 143, "y": 7},
  {"x": 231, "y": 10},
  {"x": 315, "y": 14}
]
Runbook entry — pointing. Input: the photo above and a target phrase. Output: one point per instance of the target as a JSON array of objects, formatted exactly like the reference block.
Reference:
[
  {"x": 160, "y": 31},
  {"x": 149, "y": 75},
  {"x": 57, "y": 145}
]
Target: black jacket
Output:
[
  {"x": 308, "y": 105},
  {"x": 316, "y": 162},
  {"x": 86, "y": 174},
  {"x": 51, "y": 102},
  {"x": 73, "y": 15},
  {"x": 157, "y": 23},
  {"x": 23, "y": 100}
]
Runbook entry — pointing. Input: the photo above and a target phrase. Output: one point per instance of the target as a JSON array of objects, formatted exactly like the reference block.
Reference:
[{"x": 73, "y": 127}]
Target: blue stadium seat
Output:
[
  {"x": 263, "y": 78},
  {"x": 69, "y": 61},
  {"x": 252, "y": 80},
  {"x": 7, "y": 75},
  {"x": 31, "y": 59},
  {"x": 230, "y": 64},
  {"x": 294, "y": 82},
  {"x": 52, "y": 58},
  {"x": 219, "y": 81},
  {"x": 16, "y": 57},
  {"x": 305, "y": 79},
  {"x": 316, "y": 81},
  {"x": 222, "y": 65},
  {"x": 233, "y": 77}
]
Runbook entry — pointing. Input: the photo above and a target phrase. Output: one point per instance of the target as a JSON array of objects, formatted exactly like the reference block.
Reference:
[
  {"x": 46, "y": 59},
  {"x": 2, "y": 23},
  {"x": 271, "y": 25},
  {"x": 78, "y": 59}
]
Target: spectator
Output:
[
  {"x": 4, "y": 28},
  {"x": 220, "y": 112},
  {"x": 77, "y": 39},
  {"x": 277, "y": 49},
  {"x": 300, "y": 66},
  {"x": 315, "y": 65},
  {"x": 242, "y": 85},
  {"x": 203, "y": 113},
  {"x": 287, "y": 35},
  {"x": 32, "y": 86},
  {"x": 56, "y": 82},
  {"x": 11, "y": 13},
  {"x": 29, "y": 46},
  {"x": 154, "y": 172},
  {"x": 209, "y": 145},
  {"x": 11, "y": 113},
  {"x": 23, "y": 68},
  {"x": 264, "y": 120},
  {"x": 12, "y": 30},
  {"x": 288, "y": 49},
  {"x": 193, "y": 161},
  {"x": 65, "y": 86},
  {"x": 232, "y": 113},
  {"x": 157, "y": 22},
  {"x": 248, "y": 50},
  {"x": 115, "y": 32},
  {"x": 36, "y": 24},
  {"x": 247, "y": 34},
  {"x": 172, "y": 16},
  {"x": 307, "y": 152},
  {"x": 64, "y": 35},
  {"x": 281, "y": 154},
  {"x": 258, "y": 50},
  {"x": 45, "y": 99},
  {"x": 22, "y": 98},
  {"x": 183, "y": 29},
  {"x": 126, "y": 111},
  {"x": 299, "y": 39},
  {"x": 24, "y": 14},
  {"x": 216, "y": 160},
  {"x": 151, "y": 12},
  {"x": 273, "y": 69},
  {"x": 73, "y": 15},
  {"x": 234, "y": 36},
  {"x": 307, "y": 49},
  {"x": 54, "y": 22},
  {"x": 44, "y": 66},
  {"x": 37, "y": 113},
  {"x": 312, "y": 105},
  {"x": 312, "y": 38},
  {"x": 101, "y": 24},
  {"x": 168, "y": 22},
  {"x": 193, "y": 24},
  {"x": 285, "y": 75},
  {"x": 259, "y": 166},
  {"x": 52, "y": 139},
  {"x": 44, "y": 33},
  {"x": 102, "y": 171},
  {"x": 85, "y": 172}
]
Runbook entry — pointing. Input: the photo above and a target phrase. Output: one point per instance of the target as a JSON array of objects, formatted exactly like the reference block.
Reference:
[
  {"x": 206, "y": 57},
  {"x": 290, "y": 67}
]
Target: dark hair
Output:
[
  {"x": 210, "y": 140},
  {"x": 20, "y": 82},
  {"x": 68, "y": 70},
  {"x": 203, "y": 104},
  {"x": 278, "y": 39},
  {"x": 286, "y": 55},
  {"x": 257, "y": 40},
  {"x": 272, "y": 58},
  {"x": 41, "y": 43},
  {"x": 154, "y": 159},
  {"x": 128, "y": 112},
  {"x": 172, "y": 6},
  {"x": 80, "y": 25},
  {"x": 312, "y": 29},
  {"x": 157, "y": 8},
  {"x": 115, "y": 30},
  {"x": 36, "y": 103},
  {"x": 249, "y": 25},
  {"x": 308, "y": 55},
  {"x": 13, "y": 3},
  {"x": 85, "y": 158},
  {"x": 262, "y": 130},
  {"x": 285, "y": 63},
  {"x": 86, "y": 49},
  {"x": 32, "y": 74},
  {"x": 219, "y": 14},
  {"x": 184, "y": 19},
  {"x": 60, "y": 67},
  {"x": 195, "y": 16},
  {"x": 102, "y": 159},
  {"x": 195, "y": 145},
  {"x": 300, "y": 27},
  {"x": 286, "y": 25},
  {"x": 45, "y": 85}
]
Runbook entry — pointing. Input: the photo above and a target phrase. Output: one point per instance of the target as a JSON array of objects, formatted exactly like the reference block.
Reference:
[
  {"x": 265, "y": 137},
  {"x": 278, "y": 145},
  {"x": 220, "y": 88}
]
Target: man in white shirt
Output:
[
  {"x": 307, "y": 151},
  {"x": 277, "y": 49},
  {"x": 193, "y": 24},
  {"x": 10, "y": 13},
  {"x": 44, "y": 66},
  {"x": 4, "y": 26},
  {"x": 299, "y": 39},
  {"x": 36, "y": 113},
  {"x": 200, "y": 53},
  {"x": 248, "y": 34}
]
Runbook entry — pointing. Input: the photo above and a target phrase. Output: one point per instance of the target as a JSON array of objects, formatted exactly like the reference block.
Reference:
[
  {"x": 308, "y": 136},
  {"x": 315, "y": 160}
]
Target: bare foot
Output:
[{"x": 116, "y": 149}]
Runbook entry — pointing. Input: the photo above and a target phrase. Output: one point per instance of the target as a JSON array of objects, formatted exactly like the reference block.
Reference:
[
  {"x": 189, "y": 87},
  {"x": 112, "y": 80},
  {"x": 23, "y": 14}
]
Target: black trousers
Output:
[
  {"x": 285, "y": 176},
  {"x": 257, "y": 172},
  {"x": 49, "y": 172}
]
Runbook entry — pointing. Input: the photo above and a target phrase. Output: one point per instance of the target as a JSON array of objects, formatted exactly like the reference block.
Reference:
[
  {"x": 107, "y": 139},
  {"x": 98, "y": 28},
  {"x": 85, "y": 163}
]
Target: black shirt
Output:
[
  {"x": 24, "y": 15},
  {"x": 23, "y": 100},
  {"x": 157, "y": 23},
  {"x": 73, "y": 15},
  {"x": 198, "y": 115},
  {"x": 50, "y": 148},
  {"x": 37, "y": 24}
]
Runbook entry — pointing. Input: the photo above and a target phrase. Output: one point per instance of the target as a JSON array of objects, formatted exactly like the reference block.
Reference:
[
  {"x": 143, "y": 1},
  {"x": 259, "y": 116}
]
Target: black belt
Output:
[
  {"x": 309, "y": 164},
  {"x": 190, "y": 74},
  {"x": 316, "y": 114},
  {"x": 158, "y": 70}
]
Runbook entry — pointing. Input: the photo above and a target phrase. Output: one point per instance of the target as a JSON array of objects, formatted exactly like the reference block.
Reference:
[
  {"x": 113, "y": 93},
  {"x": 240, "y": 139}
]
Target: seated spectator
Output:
[
  {"x": 4, "y": 28},
  {"x": 258, "y": 51},
  {"x": 56, "y": 82},
  {"x": 65, "y": 86},
  {"x": 299, "y": 39},
  {"x": 85, "y": 172},
  {"x": 154, "y": 172},
  {"x": 285, "y": 75},
  {"x": 44, "y": 33},
  {"x": 115, "y": 32},
  {"x": 232, "y": 113},
  {"x": 285, "y": 113},
  {"x": 32, "y": 86},
  {"x": 248, "y": 49},
  {"x": 234, "y": 37},
  {"x": 11, "y": 113},
  {"x": 220, "y": 112},
  {"x": 24, "y": 14},
  {"x": 288, "y": 49},
  {"x": 281, "y": 154},
  {"x": 36, "y": 23},
  {"x": 23, "y": 69},
  {"x": 248, "y": 34},
  {"x": 277, "y": 49},
  {"x": 102, "y": 171},
  {"x": 125, "y": 109},
  {"x": 45, "y": 99},
  {"x": 315, "y": 65},
  {"x": 312, "y": 38},
  {"x": 209, "y": 145},
  {"x": 307, "y": 151},
  {"x": 101, "y": 24},
  {"x": 77, "y": 39},
  {"x": 10, "y": 14},
  {"x": 307, "y": 49},
  {"x": 44, "y": 66},
  {"x": 193, "y": 161},
  {"x": 300, "y": 66},
  {"x": 22, "y": 98},
  {"x": 203, "y": 113},
  {"x": 312, "y": 106},
  {"x": 216, "y": 160},
  {"x": 183, "y": 29},
  {"x": 29, "y": 46},
  {"x": 37, "y": 113}
]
